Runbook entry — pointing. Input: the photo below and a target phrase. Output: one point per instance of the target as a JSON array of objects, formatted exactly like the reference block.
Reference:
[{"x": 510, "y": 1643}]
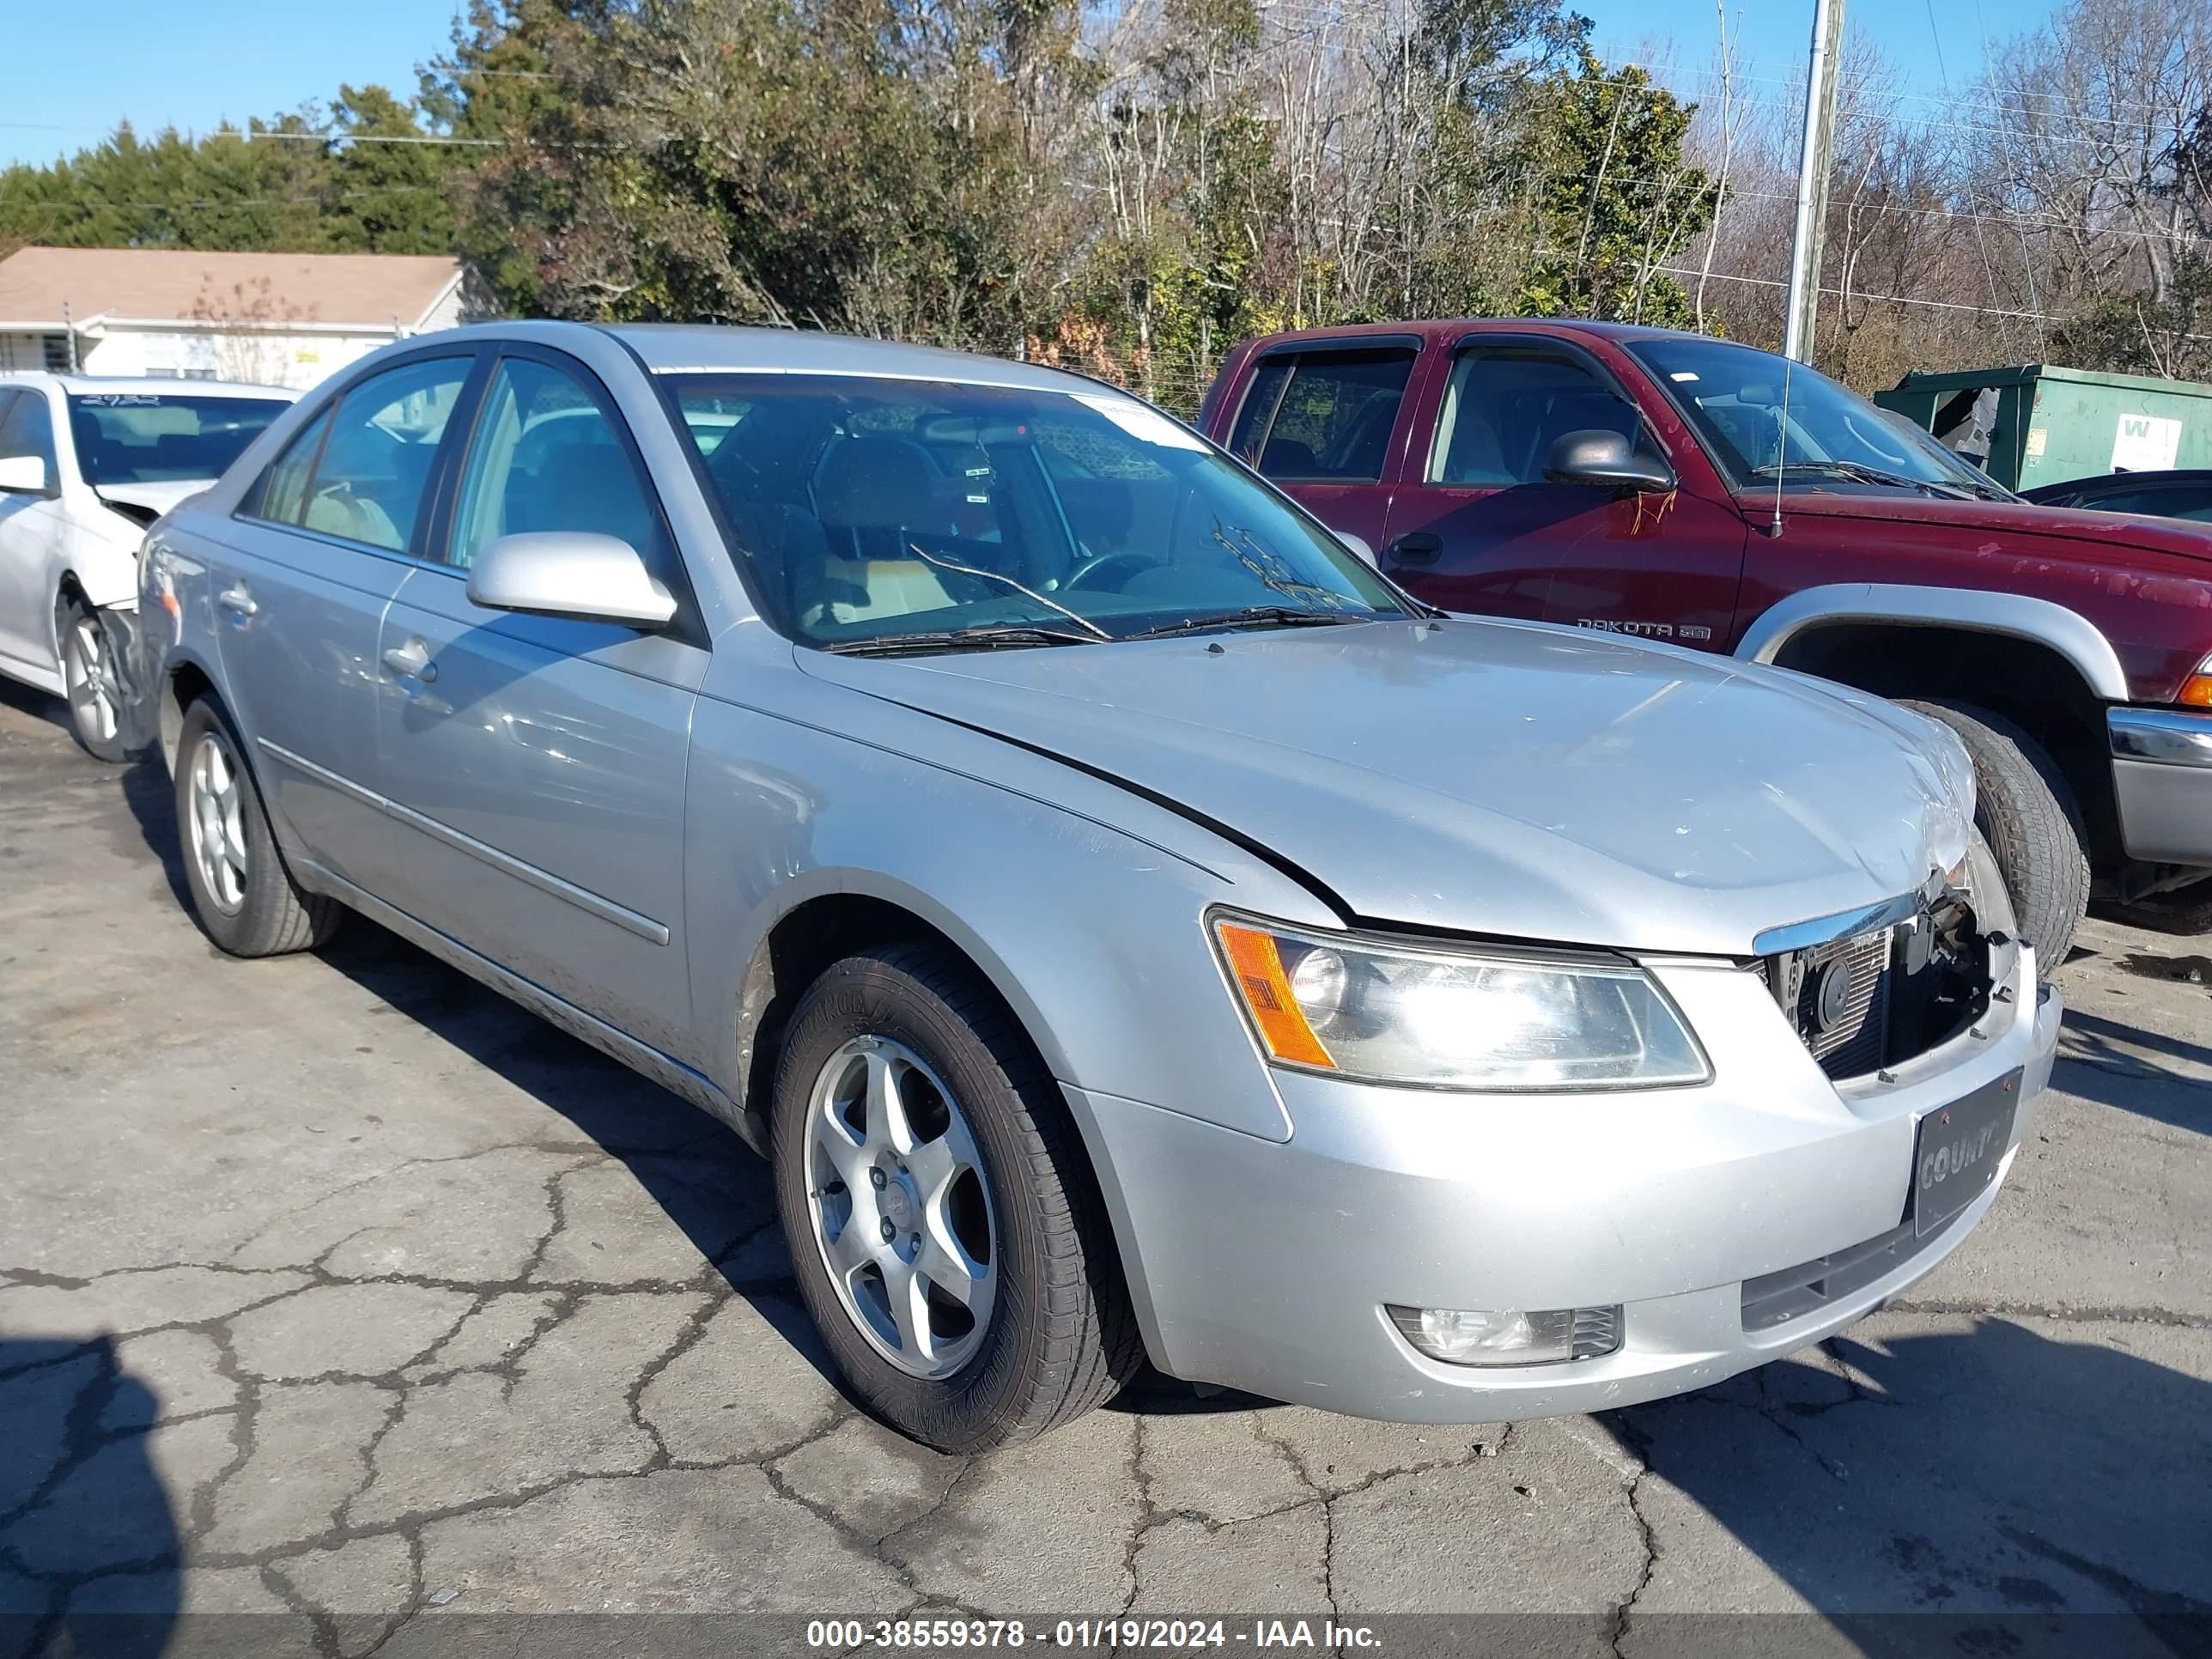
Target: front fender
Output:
[
  {"x": 2067, "y": 632},
  {"x": 102, "y": 566},
  {"x": 1095, "y": 938}
]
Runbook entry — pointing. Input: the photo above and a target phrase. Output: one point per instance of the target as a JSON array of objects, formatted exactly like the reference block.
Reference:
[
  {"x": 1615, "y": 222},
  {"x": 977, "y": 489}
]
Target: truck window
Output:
[
  {"x": 1505, "y": 407},
  {"x": 1322, "y": 416}
]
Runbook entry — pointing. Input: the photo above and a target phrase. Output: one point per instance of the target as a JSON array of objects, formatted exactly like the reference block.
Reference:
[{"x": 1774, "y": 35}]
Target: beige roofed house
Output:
[{"x": 273, "y": 319}]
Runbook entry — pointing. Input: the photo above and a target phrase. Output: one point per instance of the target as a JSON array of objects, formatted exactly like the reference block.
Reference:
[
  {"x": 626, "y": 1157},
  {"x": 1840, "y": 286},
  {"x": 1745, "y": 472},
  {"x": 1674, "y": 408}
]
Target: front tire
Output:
[
  {"x": 90, "y": 682},
  {"x": 246, "y": 898},
  {"x": 2025, "y": 809},
  {"x": 947, "y": 1235}
]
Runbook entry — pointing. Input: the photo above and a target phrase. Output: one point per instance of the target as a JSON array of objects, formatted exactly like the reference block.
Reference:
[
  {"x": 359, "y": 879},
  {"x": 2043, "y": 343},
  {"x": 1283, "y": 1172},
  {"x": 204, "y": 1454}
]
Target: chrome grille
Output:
[{"x": 1851, "y": 1038}]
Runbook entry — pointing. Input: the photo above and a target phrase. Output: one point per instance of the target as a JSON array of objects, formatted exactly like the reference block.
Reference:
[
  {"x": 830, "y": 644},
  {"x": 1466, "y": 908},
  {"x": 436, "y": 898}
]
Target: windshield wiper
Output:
[
  {"x": 1859, "y": 473},
  {"x": 1275, "y": 616},
  {"x": 958, "y": 568},
  {"x": 990, "y": 636}
]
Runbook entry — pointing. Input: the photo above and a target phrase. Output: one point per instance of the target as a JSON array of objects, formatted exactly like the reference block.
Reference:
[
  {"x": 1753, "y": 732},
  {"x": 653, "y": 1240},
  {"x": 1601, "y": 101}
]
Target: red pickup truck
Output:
[{"x": 1697, "y": 492}]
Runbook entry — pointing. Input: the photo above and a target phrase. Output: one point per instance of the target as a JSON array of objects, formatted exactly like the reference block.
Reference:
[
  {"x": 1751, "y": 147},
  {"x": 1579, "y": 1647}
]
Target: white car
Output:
[{"x": 85, "y": 465}]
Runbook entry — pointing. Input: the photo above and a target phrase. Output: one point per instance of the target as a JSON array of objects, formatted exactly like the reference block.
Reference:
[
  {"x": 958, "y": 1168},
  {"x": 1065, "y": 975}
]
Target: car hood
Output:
[
  {"x": 1494, "y": 778},
  {"x": 155, "y": 498},
  {"x": 2007, "y": 525}
]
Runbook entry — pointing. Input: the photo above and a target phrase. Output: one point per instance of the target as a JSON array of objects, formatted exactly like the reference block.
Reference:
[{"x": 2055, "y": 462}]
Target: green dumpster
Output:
[{"x": 2051, "y": 424}]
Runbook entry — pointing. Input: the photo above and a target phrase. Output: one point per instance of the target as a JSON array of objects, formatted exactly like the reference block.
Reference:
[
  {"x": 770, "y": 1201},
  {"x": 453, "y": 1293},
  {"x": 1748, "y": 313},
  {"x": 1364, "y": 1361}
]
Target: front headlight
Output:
[{"x": 1387, "y": 1012}]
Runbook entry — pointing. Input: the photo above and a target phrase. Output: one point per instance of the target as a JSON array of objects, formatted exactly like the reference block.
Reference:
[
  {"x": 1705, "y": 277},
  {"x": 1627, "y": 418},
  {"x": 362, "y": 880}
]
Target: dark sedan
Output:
[{"x": 2181, "y": 494}]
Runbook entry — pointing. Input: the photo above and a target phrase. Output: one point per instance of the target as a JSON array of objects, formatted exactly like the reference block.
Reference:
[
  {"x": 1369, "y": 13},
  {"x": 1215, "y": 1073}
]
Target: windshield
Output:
[
  {"x": 152, "y": 437},
  {"x": 1733, "y": 395},
  {"x": 874, "y": 511}
]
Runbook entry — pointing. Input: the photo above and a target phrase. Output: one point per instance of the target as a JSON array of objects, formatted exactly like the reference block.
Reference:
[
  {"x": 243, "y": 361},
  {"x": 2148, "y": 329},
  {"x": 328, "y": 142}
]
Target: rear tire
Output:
[
  {"x": 89, "y": 681},
  {"x": 244, "y": 896},
  {"x": 1058, "y": 1336},
  {"x": 2025, "y": 809}
]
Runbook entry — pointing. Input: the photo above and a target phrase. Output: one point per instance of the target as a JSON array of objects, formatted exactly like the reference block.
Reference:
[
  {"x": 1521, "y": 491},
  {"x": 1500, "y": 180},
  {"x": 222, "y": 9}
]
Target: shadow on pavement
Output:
[
  {"x": 80, "y": 1498},
  {"x": 1990, "y": 1472},
  {"x": 716, "y": 1189},
  {"x": 2094, "y": 1062},
  {"x": 714, "y": 1186},
  {"x": 39, "y": 705}
]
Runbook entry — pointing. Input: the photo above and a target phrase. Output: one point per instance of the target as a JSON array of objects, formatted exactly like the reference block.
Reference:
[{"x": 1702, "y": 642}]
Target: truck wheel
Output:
[
  {"x": 2183, "y": 910},
  {"x": 246, "y": 898},
  {"x": 2025, "y": 809},
  {"x": 943, "y": 1222},
  {"x": 96, "y": 694}
]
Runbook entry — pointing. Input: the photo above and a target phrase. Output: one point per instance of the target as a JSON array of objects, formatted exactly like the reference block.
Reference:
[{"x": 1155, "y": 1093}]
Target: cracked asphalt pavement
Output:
[{"x": 337, "y": 1291}]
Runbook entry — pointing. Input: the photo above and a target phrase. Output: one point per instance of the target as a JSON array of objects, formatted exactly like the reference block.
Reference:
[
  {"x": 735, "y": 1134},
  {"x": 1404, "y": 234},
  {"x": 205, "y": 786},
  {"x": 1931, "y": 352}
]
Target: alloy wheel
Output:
[
  {"x": 90, "y": 680},
  {"x": 901, "y": 1210},
  {"x": 217, "y": 824}
]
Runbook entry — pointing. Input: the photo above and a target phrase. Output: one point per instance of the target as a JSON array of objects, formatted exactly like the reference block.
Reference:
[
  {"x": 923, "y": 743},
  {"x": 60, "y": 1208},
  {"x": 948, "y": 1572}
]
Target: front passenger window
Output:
[
  {"x": 1505, "y": 409},
  {"x": 546, "y": 456}
]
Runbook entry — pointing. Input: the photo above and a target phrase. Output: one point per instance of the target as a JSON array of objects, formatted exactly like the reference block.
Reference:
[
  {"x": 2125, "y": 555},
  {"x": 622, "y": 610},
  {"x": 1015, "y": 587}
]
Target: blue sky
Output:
[
  {"x": 158, "y": 63},
  {"x": 1772, "y": 37}
]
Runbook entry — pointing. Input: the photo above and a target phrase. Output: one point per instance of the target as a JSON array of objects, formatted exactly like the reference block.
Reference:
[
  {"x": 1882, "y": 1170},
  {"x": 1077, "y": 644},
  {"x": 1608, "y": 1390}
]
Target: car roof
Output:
[
  {"x": 170, "y": 385},
  {"x": 680, "y": 349},
  {"x": 1430, "y": 330}
]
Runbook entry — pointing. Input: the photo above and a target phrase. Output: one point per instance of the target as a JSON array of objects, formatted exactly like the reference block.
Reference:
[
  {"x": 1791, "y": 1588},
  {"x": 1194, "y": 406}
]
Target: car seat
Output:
[{"x": 874, "y": 491}]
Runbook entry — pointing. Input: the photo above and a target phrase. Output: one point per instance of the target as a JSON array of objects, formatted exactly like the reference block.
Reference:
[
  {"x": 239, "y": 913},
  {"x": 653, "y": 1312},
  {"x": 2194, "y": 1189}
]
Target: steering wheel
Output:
[{"x": 1130, "y": 563}]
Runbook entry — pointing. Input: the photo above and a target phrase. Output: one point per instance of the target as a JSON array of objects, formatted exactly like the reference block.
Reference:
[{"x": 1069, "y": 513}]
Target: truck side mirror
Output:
[{"x": 1607, "y": 460}]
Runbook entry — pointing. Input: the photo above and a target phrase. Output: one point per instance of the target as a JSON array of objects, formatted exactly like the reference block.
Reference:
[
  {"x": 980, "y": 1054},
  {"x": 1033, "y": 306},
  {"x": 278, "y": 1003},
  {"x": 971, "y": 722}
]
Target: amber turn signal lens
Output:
[
  {"x": 1264, "y": 988},
  {"x": 2196, "y": 691}
]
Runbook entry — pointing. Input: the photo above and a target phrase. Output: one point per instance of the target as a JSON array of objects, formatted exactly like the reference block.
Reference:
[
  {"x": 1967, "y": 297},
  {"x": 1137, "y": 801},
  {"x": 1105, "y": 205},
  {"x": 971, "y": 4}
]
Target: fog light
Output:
[{"x": 1480, "y": 1336}]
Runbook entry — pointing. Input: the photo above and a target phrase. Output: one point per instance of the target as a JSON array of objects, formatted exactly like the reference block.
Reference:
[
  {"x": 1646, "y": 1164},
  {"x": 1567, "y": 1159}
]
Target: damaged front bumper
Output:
[
  {"x": 2162, "y": 783},
  {"x": 1724, "y": 1225},
  {"x": 137, "y": 704}
]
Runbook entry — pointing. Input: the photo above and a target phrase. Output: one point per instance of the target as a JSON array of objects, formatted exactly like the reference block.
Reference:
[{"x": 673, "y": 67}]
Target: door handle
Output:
[
  {"x": 238, "y": 600},
  {"x": 411, "y": 661},
  {"x": 1416, "y": 547}
]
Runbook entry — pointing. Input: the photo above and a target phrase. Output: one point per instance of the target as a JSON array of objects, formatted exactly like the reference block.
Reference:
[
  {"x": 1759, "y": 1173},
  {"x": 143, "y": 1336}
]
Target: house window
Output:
[{"x": 56, "y": 354}]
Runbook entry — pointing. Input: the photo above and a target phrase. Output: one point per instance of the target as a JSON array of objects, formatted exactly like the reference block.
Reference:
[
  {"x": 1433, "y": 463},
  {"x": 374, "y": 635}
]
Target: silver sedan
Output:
[{"x": 1130, "y": 925}]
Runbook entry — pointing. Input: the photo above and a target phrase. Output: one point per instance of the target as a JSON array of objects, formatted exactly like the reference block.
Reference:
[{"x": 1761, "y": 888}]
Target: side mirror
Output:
[
  {"x": 1607, "y": 460},
  {"x": 1357, "y": 546},
  {"x": 23, "y": 475},
  {"x": 564, "y": 573}
]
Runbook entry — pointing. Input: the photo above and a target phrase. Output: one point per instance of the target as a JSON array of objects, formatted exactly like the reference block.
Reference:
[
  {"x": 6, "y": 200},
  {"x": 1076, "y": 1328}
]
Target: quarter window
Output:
[
  {"x": 1322, "y": 416},
  {"x": 547, "y": 456},
  {"x": 368, "y": 481},
  {"x": 1505, "y": 409}
]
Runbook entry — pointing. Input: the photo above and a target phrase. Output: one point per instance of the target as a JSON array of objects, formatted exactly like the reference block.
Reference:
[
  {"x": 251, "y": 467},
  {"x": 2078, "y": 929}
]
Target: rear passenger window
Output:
[
  {"x": 545, "y": 456},
  {"x": 1505, "y": 408},
  {"x": 1322, "y": 416},
  {"x": 281, "y": 494},
  {"x": 368, "y": 481}
]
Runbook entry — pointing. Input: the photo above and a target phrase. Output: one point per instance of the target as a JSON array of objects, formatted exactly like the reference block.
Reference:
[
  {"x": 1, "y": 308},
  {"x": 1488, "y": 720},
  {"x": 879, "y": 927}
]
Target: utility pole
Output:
[{"x": 1813, "y": 178}]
